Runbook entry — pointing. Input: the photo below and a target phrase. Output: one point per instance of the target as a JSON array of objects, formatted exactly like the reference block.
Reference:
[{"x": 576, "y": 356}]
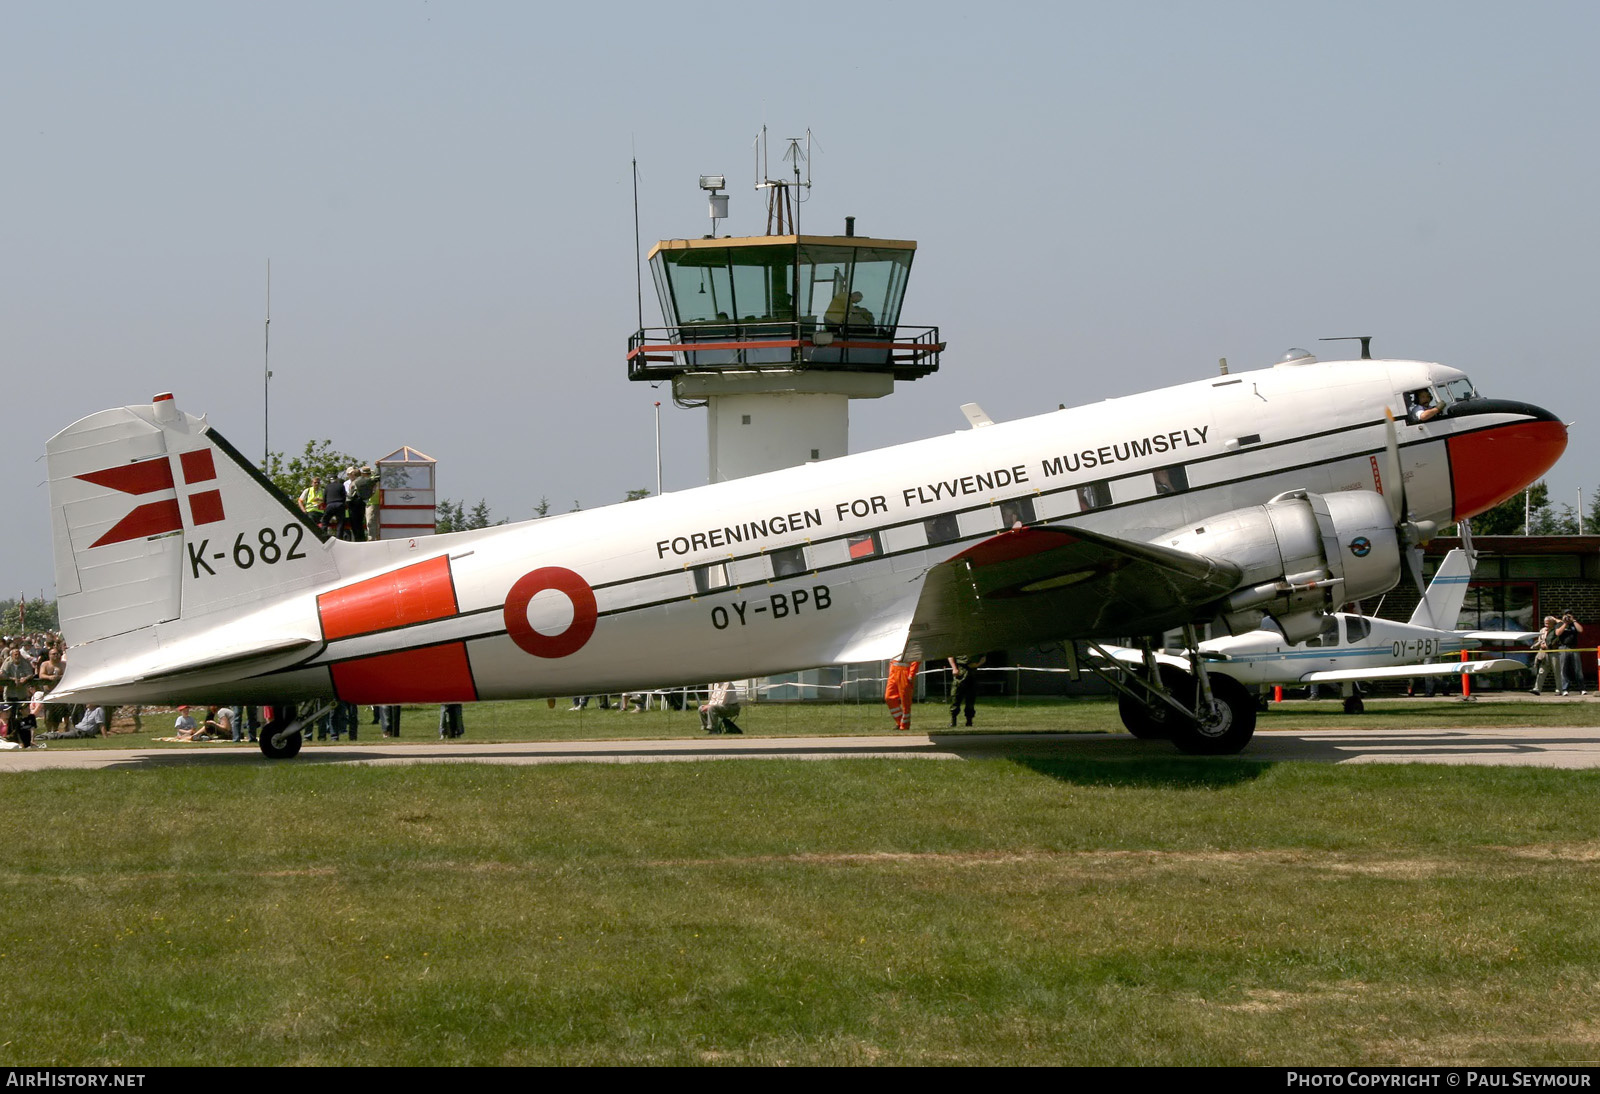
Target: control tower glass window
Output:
[
  {"x": 701, "y": 287},
  {"x": 707, "y": 284},
  {"x": 831, "y": 276},
  {"x": 762, "y": 280}
]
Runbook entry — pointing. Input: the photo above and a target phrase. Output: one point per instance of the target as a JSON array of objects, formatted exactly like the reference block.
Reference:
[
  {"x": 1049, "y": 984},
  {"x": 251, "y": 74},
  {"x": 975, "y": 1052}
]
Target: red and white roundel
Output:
[{"x": 561, "y": 580}]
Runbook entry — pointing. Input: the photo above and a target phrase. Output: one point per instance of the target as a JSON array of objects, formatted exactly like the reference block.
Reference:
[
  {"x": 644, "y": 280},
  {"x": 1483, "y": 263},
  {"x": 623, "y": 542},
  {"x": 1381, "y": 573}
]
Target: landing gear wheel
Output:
[
  {"x": 1154, "y": 720},
  {"x": 289, "y": 745},
  {"x": 1223, "y": 730},
  {"x": 1354, "y": 705}
]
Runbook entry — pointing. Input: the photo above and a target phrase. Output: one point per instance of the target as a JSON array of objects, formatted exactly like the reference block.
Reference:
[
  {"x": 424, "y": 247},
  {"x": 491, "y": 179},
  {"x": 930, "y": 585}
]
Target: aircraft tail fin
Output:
[
  {"x": 154, "y": 516},
  {"x": 1447, "y": 592}
]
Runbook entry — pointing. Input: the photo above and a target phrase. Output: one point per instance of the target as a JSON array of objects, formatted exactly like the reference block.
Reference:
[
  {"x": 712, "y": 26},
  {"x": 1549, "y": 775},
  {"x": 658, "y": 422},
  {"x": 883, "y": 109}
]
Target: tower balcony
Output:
[{"x": 664, "y": 353}]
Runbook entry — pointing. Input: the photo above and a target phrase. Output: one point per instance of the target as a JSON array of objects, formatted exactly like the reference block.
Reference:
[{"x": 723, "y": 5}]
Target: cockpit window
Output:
[
  {"x": 1429, "y": 402},
  {"x": 1457, "y": 390}
]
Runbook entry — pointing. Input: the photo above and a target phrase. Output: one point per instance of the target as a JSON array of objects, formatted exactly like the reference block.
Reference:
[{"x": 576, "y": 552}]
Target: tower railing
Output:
[{"x": 726, "y": 345}]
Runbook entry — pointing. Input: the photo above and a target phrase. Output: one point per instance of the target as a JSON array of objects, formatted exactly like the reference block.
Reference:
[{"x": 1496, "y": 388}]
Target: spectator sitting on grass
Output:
[
  {"x": 220, "y": 725},
  {"x": 184, "y": 729},
  {"x": 93, "y": 724}
]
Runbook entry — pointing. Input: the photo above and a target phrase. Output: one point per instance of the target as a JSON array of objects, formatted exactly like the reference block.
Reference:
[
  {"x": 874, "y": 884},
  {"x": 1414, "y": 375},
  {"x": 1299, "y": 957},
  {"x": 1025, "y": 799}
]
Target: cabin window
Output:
[
  {"x": 1170, "y": 480},
  {"x": 865, "y": 545},
  {"x": 1094, "y": 495},
  {"x": 788, "y": 561},
  {"x": 1357, "y": 627},
  {"x": 711, "y": 577},
  {"x": 1329, "y": 635},
  {"x": 1016, "y": 511},
  {"x": 943, "y": 528}
]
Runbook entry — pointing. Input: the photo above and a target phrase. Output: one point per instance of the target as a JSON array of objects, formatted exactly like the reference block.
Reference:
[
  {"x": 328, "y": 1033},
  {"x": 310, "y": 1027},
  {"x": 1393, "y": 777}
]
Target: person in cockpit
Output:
[{"x": 1422, "y": 406}]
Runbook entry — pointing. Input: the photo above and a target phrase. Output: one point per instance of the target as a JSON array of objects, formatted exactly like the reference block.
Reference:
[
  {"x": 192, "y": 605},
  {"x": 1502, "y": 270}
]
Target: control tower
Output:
[{"x": 775, "y": 334}]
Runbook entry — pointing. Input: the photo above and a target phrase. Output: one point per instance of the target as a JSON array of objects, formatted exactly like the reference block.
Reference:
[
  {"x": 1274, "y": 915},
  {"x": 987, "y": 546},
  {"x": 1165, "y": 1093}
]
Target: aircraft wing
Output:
[
  {"x": 1045, "y": 584},
  {"x": 1405, "y": 672}
]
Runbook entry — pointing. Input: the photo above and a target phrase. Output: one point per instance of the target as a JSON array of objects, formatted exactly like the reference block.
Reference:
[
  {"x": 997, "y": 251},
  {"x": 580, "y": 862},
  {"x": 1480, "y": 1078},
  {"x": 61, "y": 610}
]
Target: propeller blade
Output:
[
  {"x": 1413, "y": 557},
  {"x": 1394, "y": 488}
]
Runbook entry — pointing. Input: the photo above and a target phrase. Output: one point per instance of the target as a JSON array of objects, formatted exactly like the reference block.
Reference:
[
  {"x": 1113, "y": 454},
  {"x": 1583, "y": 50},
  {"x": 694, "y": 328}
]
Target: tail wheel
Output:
[
  {"x": 275, "y": 743},
  {"x": 1151, "y": 719},
  {"x": 1223, "y": 730}
]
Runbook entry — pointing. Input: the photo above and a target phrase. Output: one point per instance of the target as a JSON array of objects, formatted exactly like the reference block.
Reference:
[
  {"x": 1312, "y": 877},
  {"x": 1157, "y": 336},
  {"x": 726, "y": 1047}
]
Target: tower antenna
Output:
[
  {"x": 638, "y": 268},
  {"x": 266, "y": 380}
]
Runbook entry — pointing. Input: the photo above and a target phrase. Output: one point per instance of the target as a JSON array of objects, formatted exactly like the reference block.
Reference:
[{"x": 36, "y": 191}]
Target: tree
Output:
[
  {"x": 637, "y": 495},
  {"x": 448, "y": 517},
  {"x": 543, "y": 508},
  {"x": 1506, "y": 519},
  {"x": 319, "y": 458},
  {"x": 42, "y": 616},
  {"x": 453, "y": 516},
  {"x": 1558, "y": 522}
]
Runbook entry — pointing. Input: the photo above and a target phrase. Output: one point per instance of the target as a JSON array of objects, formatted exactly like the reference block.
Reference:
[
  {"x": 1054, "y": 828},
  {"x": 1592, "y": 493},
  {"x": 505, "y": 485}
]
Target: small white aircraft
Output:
[
  {"x": 1349, "y": 648},
  {"x": 182, "y": 575}
]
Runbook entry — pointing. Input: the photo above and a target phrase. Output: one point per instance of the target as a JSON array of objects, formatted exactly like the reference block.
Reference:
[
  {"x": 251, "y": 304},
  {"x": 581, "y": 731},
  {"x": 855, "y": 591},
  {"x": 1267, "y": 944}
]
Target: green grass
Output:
[
  {"x": 1026, "y": 910},
  {"x": 535, "y": 721}
]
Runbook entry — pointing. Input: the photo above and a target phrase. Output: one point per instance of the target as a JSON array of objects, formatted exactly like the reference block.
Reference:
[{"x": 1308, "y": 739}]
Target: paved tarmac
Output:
[{"x": 1524, "y": 747}]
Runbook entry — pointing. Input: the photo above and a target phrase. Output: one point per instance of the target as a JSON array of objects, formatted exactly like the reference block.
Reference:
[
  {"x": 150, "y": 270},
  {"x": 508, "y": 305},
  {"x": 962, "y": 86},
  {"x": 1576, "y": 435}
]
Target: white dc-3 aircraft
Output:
[
  {"x": 182, "y": 575},
  {"x": 1349, "y": 648}
]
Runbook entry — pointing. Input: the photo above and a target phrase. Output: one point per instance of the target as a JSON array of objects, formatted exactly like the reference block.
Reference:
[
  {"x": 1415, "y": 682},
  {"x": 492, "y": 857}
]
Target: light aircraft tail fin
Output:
[
  {"x": 153, "y": 515},
  {"x": 1441, "y": 605}
]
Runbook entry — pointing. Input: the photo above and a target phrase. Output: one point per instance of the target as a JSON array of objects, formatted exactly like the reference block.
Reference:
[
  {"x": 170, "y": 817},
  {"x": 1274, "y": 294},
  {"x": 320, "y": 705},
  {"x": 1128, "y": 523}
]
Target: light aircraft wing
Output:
[
  {"x": 1045, "y": 584},
  {"x": 1405, "y": 672}
]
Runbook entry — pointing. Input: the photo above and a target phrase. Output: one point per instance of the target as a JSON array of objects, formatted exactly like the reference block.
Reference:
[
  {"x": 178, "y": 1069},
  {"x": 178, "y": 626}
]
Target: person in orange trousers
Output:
[{"x": 899, "y": 691}]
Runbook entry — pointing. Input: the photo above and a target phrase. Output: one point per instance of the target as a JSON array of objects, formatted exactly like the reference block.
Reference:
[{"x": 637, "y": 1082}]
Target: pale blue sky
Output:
[{"x": 1108, "y": 198}]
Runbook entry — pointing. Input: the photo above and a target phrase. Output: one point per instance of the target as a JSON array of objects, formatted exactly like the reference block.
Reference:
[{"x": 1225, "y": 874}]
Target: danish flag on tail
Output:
[
  {"x": 155, "y": 518},
  {"x": 150, "y": 509}
]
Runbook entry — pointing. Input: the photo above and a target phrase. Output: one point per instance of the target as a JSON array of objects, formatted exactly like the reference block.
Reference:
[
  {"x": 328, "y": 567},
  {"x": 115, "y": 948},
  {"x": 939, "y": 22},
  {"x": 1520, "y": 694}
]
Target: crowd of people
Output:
[
  {"x": 32, "y": 664},
  {"x": 344, "y": 505}
]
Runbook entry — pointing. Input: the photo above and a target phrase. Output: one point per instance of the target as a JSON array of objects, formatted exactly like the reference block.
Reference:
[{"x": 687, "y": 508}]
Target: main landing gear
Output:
[
  {"x": 1202, "y": 713},
  {"x": 282, "y": 737}
]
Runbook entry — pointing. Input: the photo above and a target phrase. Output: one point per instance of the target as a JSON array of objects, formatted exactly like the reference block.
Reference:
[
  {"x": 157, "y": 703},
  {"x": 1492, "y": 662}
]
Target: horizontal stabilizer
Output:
[
  {"x": 1524, "y": 638},
  {"x": 179, "y": 665}
]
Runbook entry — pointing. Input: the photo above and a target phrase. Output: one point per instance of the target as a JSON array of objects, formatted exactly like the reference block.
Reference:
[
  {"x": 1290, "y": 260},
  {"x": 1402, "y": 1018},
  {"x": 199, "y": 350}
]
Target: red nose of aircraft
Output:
[{"x": 1517, "y": 444}]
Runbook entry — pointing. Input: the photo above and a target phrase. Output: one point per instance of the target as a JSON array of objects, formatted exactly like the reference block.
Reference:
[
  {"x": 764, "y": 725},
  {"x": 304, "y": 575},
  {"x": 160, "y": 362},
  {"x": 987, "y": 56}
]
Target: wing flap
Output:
[{"x": 1046, "y": 584}]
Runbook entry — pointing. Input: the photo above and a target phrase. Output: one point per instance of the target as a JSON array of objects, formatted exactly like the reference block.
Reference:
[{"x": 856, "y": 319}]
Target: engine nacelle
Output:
[{"x": 1302, "y": 555}]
